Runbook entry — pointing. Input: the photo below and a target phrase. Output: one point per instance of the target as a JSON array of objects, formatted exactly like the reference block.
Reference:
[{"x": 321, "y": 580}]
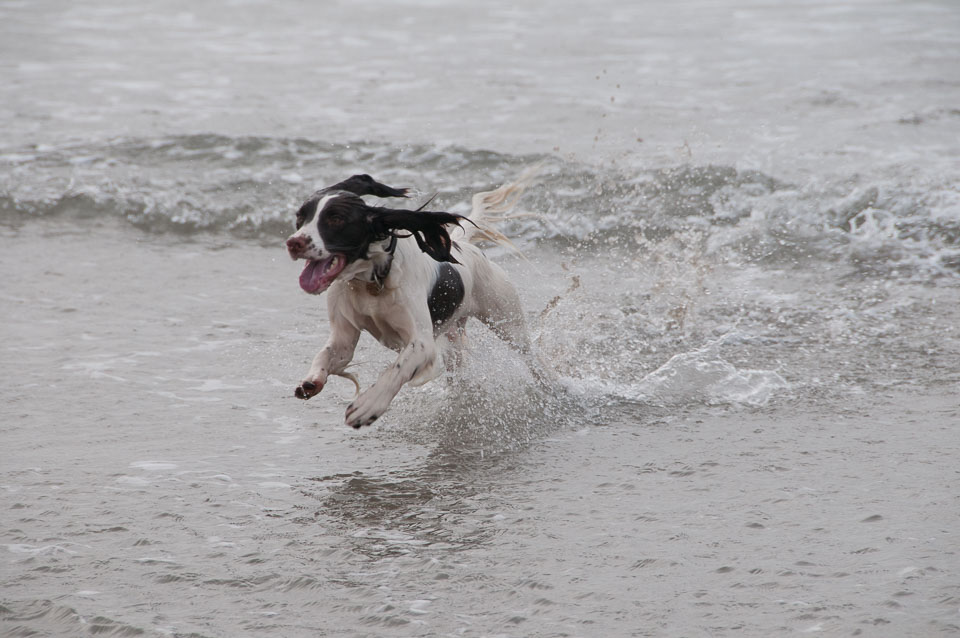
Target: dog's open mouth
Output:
[{"x": 320, "y": 273}]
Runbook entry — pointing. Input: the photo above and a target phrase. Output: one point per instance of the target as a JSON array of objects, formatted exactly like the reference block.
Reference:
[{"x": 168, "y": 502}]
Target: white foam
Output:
[{"x": 704, "y": 376}]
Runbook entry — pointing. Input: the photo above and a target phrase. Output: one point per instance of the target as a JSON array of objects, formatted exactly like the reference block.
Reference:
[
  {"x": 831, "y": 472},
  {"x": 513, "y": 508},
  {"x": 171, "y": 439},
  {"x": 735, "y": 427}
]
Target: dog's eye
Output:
[{"x": 335, "y": 221}]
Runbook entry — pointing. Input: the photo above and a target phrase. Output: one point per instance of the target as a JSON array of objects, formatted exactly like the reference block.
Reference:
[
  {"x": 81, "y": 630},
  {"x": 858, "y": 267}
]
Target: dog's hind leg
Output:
[
  {"x": 512, "y": 329},
  {"x": 499, "y": 306},
  {"x": 506, "y": 320}
]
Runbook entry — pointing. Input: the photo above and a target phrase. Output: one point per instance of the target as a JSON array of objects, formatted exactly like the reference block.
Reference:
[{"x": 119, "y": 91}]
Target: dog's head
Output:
[{"x": 336, "y": 230}]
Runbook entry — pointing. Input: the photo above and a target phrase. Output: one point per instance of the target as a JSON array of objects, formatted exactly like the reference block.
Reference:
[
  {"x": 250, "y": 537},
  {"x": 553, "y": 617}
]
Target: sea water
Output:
[{"x": 742, "y": 264}]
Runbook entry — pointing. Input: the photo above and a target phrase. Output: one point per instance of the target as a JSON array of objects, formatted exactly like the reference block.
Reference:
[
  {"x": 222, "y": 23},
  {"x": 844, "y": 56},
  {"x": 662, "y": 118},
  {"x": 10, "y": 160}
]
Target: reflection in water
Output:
[{"x": 480, "y": 423}]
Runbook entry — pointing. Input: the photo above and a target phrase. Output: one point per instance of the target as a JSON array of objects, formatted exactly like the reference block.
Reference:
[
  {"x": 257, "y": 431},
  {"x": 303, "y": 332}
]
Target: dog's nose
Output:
[{"x": 296, "y": 245}]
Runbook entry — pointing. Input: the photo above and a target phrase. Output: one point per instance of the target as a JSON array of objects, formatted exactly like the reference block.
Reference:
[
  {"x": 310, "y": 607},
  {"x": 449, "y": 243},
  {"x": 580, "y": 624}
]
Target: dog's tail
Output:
[{"x": 492, "y": 208}]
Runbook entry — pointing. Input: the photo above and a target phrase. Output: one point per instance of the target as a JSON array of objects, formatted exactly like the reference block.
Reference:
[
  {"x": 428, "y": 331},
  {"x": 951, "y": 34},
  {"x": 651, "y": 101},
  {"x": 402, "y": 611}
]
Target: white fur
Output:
[{"x": 397, "y": 315}]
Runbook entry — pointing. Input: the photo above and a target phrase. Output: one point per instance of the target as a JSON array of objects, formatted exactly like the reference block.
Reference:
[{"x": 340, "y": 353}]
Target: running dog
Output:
[{"x": 399, "y": 275}]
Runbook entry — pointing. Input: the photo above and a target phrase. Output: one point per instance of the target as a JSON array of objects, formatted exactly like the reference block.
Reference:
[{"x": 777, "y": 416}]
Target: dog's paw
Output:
[
  {"x": 367, "y": 408},
  {"x": 308, "y": 389}
]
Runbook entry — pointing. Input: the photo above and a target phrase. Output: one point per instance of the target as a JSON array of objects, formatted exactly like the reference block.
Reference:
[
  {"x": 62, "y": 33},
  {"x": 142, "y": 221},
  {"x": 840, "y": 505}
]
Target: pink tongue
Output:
[{"x": 311, "y": 279}]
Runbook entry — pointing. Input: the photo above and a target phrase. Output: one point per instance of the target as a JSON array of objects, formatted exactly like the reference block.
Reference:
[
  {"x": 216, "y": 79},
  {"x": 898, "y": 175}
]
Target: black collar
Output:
[{"x": 382, "y": 271}]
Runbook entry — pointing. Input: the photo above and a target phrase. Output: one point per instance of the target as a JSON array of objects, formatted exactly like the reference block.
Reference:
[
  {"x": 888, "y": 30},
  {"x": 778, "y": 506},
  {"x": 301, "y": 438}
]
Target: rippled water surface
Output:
[{"x": 742, "y": 264}]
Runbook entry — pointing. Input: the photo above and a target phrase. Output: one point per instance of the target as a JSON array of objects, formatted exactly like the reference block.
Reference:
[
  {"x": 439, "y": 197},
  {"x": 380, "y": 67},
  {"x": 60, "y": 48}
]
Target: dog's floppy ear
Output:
[
  {"x": 427, "y": 227},
  {"x": 366, "y": 185}
]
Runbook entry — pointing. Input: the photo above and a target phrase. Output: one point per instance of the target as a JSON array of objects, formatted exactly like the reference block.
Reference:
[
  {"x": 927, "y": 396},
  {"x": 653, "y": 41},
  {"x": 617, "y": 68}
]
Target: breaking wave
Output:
[{"x": 247, "y": 187}]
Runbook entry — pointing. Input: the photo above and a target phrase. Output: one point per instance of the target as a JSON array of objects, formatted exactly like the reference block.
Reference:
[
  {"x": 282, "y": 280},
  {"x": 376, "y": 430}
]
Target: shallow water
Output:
[
  {"x": 743, "y": 267},
  {"x": 165, "y": 480}
]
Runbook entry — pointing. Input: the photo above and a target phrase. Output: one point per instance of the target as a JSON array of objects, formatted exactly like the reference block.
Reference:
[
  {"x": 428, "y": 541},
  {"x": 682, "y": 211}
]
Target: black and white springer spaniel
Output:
[{"x": 400, "y": 276}]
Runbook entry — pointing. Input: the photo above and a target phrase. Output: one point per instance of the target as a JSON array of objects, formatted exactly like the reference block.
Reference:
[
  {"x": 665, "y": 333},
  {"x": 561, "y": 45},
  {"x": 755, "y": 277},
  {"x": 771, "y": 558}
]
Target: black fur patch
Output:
[
  {"x": 307, "y": 211},
  {"x": 447, "y": 294},
  {"x": 366, "y": 185}
]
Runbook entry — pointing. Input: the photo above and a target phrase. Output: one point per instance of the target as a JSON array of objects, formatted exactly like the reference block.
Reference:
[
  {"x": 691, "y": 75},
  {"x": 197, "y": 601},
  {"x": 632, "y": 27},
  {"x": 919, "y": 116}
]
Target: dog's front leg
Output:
[
  {"x": 333, "y": 359},
  {"x": 417, "y": 358}
]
